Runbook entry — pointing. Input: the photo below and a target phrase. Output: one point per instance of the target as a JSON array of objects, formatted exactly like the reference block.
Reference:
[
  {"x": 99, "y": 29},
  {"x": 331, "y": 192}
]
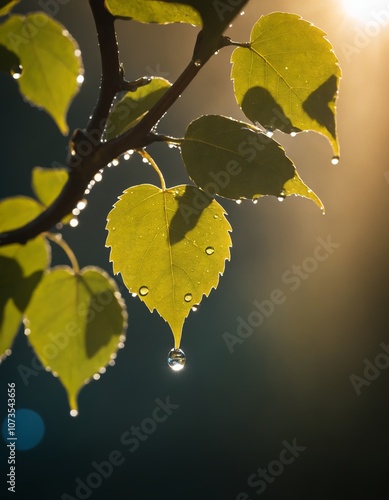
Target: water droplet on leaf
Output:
[
  {"x": 209, "y": 250},
  {"x": 197, "y": 63},
  {"x": 195, "y": 308},
  {"x": 143, "y": 290},
  {"x": 335, "y": 160},
  {"x": 73, "y": 413},
  {"x": 188, "y": 297},
  {"x": 269, "y": 133},
  {"x": 176, "y": 359},
  {"x": 238, "y": 202}
]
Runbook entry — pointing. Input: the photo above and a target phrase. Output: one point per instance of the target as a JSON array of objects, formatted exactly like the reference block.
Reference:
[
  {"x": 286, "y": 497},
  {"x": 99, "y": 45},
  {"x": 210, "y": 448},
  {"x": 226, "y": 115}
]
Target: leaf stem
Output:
[
  {"x": 146, "y": 155},
  {"x": 57, "y": 238}
]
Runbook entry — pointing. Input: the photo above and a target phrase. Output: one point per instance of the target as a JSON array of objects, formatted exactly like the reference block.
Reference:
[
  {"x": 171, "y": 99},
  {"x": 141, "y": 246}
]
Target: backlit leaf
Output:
[
  {"x": 288, "y": 79},
  {"x": 134, "y": 105},
  {"x": 47, "y": 184},
  {"x": 213, "y": 15},
  {"x": 169, "y": 246},
  {"x": 21, "y": 267},
  {"x": 76, "y": 322},
  {"x": 154, "y": 11},
  {"x": 49, "y": 59},
  {"x": 235, "y": 160}
]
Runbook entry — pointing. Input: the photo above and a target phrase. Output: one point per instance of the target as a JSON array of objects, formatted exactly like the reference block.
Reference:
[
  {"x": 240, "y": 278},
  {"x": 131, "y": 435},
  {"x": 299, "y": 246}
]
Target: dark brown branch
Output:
[
  {"x": 111, "y": 71},
  {"x": 85, "y": 168}
]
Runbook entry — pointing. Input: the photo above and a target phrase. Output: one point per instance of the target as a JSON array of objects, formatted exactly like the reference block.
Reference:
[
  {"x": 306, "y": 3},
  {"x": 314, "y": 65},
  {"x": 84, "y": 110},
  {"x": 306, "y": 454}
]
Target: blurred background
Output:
[{"x": 295, "y": 378}]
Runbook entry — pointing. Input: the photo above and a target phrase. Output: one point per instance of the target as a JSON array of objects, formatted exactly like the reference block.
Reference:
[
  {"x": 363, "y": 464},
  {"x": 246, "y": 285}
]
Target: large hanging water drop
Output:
[
  {"x": 335, "y": 160},
  {"x": 176, "y": 359}
]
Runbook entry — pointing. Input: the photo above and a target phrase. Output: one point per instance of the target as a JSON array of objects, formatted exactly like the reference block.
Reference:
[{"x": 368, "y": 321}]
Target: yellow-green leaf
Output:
[
  {"x": 154, "y": 11},
  {"x": 288, "y": 78},
  {"x": 214, "y": 16},
  {"x": 50, "y": 59},
  {"x": 134, "y": 105},
  {"x": 76, "y": 323},
  {"x": 7, "y": 5},
  {"x": 169, "y": 246},
  {"x": 21, "y": 267},
  {"x": 235, "y": 160},
  {"x": 48, "y": 183}
]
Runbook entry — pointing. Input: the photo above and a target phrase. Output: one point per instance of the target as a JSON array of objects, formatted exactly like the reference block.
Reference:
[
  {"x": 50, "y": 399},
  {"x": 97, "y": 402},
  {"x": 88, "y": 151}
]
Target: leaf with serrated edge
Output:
[
  {"x": 51, "y": 66},
  {"x": 213, "y": 16},
  {"x": 134, "y": 105},
  {"x": 76, "y": 324},
  {"x": 289, "y": 77},
  {"x": 169, "y": 246},
  {"x": 234, "y": 160},
  {"x": 154, "y": 11},
  {"x": 48, "y": 183},
  {"x": 21, "y": 267}
]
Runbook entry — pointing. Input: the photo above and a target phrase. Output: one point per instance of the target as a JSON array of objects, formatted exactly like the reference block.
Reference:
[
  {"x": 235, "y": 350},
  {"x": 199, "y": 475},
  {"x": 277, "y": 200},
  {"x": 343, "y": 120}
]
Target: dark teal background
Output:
[{"x": 291, "y": 378}]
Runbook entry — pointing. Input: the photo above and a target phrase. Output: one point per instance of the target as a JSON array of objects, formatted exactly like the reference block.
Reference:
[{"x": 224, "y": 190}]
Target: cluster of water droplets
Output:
[{"x": 176, "y": 359}]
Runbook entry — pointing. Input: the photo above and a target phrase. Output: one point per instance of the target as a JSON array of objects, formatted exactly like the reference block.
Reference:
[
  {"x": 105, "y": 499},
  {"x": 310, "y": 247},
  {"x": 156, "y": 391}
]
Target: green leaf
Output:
[
  {"x": 235, "y": 160},
  {"x": 76, "y": 323},
  {"x": 50, "y": 61},
  {"x": 48, "y": 183},
  {"x": 7, "y": 5},
  {"x": 154, "y": 11},
  {"x": 134, "y": 105},
  {"x": 288, "y": 79},
  {"x": 21, "y": 267},
  {"x": 214, "y": 16},
  {"x": 170, "y": 247}
]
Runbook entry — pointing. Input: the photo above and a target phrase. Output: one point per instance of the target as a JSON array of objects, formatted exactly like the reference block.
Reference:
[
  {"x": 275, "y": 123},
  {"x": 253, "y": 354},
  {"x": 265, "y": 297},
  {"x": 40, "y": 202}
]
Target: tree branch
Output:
[
  {"x": 111, "y": 72},
  {"x": 84, "y": 168}
]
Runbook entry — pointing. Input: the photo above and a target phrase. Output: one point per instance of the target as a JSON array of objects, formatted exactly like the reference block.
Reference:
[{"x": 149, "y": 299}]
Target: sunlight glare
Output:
[{"x": 364, "y": 9}]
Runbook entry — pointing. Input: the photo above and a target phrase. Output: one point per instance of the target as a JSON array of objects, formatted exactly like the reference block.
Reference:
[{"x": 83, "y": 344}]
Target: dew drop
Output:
[
  {"x": 293, "y": 134},
  {"x": 209, "y": 250},
  {"x": 143, "y": 290},
  {"x": 27, "y": 331},
  {"x": 255, "y": 201},
  {"x": 215, "y": 216},
  {"x": 98, "y": 177},
  {"x": 269, "y": 133},
  {"x": 195, "y": 308},
  {"x": 188, "y": 297},
  {"x": 102, "y": 370},
  {"x": 76, "y": 211},
  {"x": 335, "y": 160},
  {"x": 80, "y": 79},
  {"x": 126, "y": 157},
  {"x": 73, "y": 413},
  {"x": 238, "y": 202},
  {"x": 145, "y": 160},
  {"x": 115, "y": 163},
  {"x": 96, "y": 376},
  {"x": 176, "y": 359},
  {"x": 134, "y": 294},
  {"x": 82, "y": 204},
  {"x": 77, "y": 52},
  {"x": 242, "y": 13},
  {"x": 197, "y": 63},
  {"x": 8, "y": 352},
  {"x": 73, "y": 222},
  {"x": 281, "y": 198}
]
